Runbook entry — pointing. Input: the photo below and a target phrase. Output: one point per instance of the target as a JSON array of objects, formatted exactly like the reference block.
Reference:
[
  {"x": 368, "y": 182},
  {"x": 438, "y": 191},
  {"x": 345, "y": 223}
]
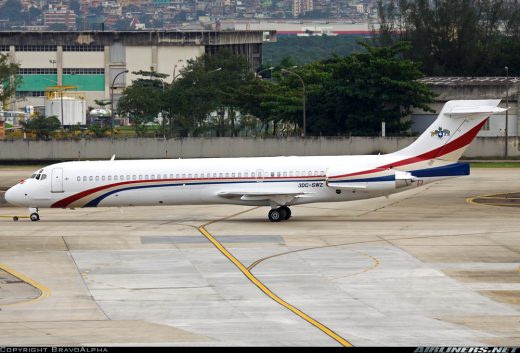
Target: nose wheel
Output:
[
  {"x": 34, "y": 217},
  {"x": 279, "y": 214}
]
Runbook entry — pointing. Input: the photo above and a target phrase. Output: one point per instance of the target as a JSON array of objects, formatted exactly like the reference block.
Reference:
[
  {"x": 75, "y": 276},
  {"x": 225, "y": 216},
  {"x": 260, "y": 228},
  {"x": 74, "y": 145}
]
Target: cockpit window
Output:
[
  {"x": 33, "y": 176},
  {"x": 38, "y": 176},
  {"x": 44, "y": 176}
]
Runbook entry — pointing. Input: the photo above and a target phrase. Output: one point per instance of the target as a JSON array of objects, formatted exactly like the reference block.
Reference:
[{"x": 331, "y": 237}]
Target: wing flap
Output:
[{"x": 280, "y": 198}]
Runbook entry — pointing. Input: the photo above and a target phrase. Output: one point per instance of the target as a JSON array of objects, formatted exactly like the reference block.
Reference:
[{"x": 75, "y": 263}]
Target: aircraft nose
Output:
[{"x": 12, "y": 197}]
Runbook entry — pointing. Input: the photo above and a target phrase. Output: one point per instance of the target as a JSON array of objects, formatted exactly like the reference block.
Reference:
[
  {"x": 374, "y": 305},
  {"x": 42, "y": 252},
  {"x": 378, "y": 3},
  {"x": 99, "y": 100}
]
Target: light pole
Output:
[
  {"x": 112, "y": 102},
  {"x": 507, "y": 116},
  {"x": 304, "y": 95},
  {"x": 268, "y": 69}
]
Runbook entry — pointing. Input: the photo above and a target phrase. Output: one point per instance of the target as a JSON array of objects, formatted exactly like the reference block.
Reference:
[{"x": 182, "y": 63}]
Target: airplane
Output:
[{"x": 278, "y": 182}]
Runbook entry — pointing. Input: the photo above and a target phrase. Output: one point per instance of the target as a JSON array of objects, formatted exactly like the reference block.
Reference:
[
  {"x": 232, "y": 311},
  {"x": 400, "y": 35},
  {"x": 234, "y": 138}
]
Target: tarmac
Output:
[{"x": 425, "y": 267}]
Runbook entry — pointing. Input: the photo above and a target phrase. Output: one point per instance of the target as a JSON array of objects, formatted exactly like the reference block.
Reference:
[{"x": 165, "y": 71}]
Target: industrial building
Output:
[
  {"x": 88, "y": 64},
  {"x": 451, "y": 88}
]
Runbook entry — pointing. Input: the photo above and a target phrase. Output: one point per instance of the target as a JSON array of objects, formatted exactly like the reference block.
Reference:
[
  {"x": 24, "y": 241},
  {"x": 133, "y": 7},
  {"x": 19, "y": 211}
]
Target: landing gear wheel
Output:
[
  {"x": 15, "y": 218},
  {"x": 287, "y": 211},
  {"x": 275, "y": 215},
  {"x": 35, "y": 217}
]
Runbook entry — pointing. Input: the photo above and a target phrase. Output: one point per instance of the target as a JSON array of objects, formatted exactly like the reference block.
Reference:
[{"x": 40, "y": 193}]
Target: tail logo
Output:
[{"x": 440, "y": 132}]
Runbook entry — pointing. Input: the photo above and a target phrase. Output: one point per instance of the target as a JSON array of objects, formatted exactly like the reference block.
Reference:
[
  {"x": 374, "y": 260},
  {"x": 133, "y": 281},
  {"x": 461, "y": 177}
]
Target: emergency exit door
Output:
[{"x": 57, "y": 180}]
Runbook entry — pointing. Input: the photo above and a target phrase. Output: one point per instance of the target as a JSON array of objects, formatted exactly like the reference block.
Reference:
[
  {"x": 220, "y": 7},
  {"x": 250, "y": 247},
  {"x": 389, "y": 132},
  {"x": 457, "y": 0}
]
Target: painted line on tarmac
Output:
[
  {"x": 44, "y": 291},
  {"x": 500, "y": 196},
  {"x": 266, "y": 290}
]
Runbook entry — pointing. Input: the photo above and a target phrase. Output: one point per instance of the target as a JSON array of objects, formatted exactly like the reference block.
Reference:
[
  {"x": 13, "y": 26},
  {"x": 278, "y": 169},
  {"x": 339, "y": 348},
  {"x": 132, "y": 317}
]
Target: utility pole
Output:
[{"x": 507, "y": 115}]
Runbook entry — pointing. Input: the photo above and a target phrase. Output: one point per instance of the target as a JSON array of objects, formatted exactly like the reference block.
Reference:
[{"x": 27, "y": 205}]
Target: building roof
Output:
[{"x": 470, "y": 81}]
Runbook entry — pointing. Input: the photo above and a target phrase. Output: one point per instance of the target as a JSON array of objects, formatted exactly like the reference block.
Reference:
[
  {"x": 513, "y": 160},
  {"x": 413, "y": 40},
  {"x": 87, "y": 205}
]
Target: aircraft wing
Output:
[{"x": 279, "y": 198}]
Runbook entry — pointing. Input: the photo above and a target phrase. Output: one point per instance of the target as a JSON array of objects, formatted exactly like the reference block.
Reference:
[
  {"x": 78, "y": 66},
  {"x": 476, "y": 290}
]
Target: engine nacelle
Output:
[{"x": 376, "y": 180}]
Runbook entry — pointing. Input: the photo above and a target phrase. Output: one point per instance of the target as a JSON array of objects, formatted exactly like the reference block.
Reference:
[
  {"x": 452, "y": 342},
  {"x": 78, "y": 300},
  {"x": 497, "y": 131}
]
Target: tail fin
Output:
[{"x": 450, "y": 134}]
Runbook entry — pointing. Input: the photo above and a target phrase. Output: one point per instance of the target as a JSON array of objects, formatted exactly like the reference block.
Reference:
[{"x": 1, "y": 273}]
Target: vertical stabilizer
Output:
[{"x": 450, "y": 134}]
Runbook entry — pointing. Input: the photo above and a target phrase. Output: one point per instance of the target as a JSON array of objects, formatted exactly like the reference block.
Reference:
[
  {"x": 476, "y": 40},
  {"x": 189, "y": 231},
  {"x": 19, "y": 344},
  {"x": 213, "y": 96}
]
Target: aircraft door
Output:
[
  {"x": 259, "y": 175},
  {"x": 57, "y": 180}
]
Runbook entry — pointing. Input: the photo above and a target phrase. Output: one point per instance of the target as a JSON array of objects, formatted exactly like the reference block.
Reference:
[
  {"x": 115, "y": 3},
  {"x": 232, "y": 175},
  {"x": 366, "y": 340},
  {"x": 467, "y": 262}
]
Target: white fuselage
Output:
[{"x": 195, "y": 181}]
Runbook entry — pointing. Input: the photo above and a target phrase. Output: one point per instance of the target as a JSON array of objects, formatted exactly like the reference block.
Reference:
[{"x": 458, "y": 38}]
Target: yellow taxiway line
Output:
[
  {"x": 270, "y": 293},
  {"x": 44, "y": 291}
]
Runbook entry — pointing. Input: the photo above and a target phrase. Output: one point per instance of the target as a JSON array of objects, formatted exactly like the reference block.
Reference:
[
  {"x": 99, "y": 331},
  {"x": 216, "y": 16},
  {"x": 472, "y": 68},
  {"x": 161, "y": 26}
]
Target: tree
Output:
[
  {"x": 143, "y": 99},
  {"x": 353, "y": 95},
  {"x": 8, "y": 78},
  {"x": 42, "y": 126},
  {"x": 456, "y": 37}
]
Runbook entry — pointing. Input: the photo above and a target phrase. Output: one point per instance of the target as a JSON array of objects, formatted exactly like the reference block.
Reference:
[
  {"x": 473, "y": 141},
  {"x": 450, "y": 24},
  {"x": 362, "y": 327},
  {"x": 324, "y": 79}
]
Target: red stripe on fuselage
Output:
[
  {"x": 68, "y": 200},
  {"x": 440, "y": 151}
]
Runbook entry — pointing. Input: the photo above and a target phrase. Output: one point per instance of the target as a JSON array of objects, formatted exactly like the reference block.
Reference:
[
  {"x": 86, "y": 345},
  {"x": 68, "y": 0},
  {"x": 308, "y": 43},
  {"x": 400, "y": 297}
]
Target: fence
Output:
[{"x": 138, "y": 148}]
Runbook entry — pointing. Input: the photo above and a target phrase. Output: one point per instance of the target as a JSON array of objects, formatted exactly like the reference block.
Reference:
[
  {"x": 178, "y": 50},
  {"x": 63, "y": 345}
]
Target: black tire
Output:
[
  {"x": 275, "y": 215},
  {"x": 287, "y": 211},
  {"x": 35, "y": 217},
  {"x": 15, "y": 218}
]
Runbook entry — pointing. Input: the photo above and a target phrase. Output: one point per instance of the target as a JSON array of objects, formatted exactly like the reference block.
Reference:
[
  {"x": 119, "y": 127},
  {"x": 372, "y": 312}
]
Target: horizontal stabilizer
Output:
[{"x": 457, "y": 111}]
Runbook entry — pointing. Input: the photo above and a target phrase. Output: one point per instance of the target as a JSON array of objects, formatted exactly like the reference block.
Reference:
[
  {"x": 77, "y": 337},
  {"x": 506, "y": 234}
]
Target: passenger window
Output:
[
  {"x": 134, "y": 177},
  {"x": 146, "y": 177},
  {"x": 240, "y": 175},
  {"x": 97, "y": 177},
  {"x": 128, "y": 177},
  {"x": 278, "y": 174},
  {"x": 84, "y": 178},
  {"x": 272, "y": 174},
  {"x": 310, "y": 173},
  {"x": 115, "y": 177},
  {"x": 91, "y": 178},
  {"x": 284, "y": 174},
  {"x": 177, "y": 176},
  {"x": 232, "y": 175},
  {"x": 252, "y": 174},
  {"x": 227, "y": 175},
  {"x": 109, "y": 178},
  {"x": 196, "y": 176},
  {"x": 79, "y": 178},
  {"x": 183, "y": 176},
  {"x": 297, "y": 173},
  {"x": 122, "y": 178},
  {"x": 103, "y": 178},
  {"x": 171, "y": 176},
  {"x": 246, "y": 174},
  {"x": 214, "y": 175},
  {"x": 189, "y": 176},
  {"x": 140, "y": 177},
  {"x": 291, "y": 173}
]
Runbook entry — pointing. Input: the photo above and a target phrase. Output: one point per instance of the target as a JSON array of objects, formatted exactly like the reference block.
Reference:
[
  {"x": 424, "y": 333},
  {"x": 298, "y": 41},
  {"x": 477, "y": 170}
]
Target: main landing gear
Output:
[{"x": 280, "y": 214}]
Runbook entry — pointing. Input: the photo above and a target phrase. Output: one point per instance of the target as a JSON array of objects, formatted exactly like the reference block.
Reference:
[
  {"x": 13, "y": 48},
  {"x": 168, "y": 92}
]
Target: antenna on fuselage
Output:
[{"x": 113, "y": 157}]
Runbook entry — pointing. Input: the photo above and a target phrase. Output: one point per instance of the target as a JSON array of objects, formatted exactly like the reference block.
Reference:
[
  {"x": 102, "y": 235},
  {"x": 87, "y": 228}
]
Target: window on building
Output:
[
  {"x": 35, "y": 48},
  {"x": 83, "y": 71},
  {"x": 83, "y": 48}
]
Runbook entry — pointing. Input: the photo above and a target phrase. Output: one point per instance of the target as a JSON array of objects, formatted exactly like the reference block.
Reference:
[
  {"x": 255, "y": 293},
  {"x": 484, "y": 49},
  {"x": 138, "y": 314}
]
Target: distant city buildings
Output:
[
  {"x": 172, "y": 14},
  {"x": 302, "y": 7},
  {"x": 60, "y": 16}
]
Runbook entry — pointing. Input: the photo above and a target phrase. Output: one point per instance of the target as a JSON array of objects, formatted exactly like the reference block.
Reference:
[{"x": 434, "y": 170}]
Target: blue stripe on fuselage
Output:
[{"x": 456, "y": 169}]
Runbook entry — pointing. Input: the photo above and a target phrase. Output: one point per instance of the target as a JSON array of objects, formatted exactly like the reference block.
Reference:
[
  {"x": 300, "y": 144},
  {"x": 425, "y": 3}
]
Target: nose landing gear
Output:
[
  {"x": 34, "y": 214},
  {"x": 279, "y": 214}
]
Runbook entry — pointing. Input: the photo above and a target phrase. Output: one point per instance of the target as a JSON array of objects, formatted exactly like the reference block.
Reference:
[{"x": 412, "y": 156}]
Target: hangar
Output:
[{"x": 92, "y": 60}]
